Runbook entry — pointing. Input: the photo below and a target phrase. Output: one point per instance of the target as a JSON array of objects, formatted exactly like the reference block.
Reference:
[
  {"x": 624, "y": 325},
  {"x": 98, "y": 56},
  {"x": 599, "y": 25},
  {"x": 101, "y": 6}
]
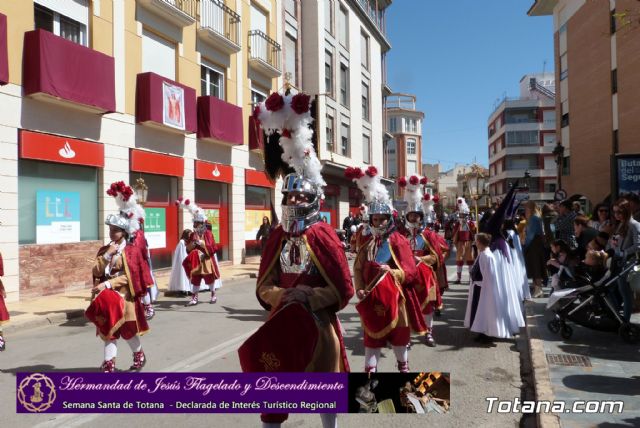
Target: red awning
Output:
[
  {"x": 213, "y": 171},
  {"x": 156, "y": 163},
  {"x": 4, "y": 56},
  {"x": 52, "y": 148},
  {"x": 257, "y": 178},
  {"x": 165, "y": 102},
  {"x": 64, "y": 69},
  {"x": 219, "y": 120}
]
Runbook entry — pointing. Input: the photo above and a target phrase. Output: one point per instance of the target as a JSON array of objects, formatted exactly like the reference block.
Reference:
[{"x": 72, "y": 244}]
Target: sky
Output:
[{"x": 458, "y": 57}]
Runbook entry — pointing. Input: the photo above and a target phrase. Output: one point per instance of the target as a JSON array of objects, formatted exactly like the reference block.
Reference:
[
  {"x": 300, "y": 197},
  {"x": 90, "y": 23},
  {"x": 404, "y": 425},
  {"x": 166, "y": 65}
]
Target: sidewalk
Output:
[
  {"x": 592, "y": 365},
  {"x": 58, "y": 308}
]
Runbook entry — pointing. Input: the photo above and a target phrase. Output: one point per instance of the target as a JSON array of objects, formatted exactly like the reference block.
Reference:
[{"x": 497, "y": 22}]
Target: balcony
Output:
[
  {"x": 165, "y": 104},
  {"x": 264, "y": 54},
  {"x": 220, "y": 26},
  {"x": 374, "y": 12},
  {"x": 58, "y": 70},
  {"x": 219, "y": 121},
  {"x": 4, "y": 56},
  {"x": 180, "y": 12}
]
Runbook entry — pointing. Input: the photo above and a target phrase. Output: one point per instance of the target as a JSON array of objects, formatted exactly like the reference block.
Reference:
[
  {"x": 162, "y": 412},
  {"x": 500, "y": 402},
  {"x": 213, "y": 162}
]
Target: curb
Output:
[
  {"x": 71, "y": 314},
  {"x": 540, "y": 369}
]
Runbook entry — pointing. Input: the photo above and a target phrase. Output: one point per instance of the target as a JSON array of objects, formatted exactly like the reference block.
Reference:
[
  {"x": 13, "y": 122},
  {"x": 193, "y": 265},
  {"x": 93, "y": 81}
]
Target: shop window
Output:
[
  {"x": 212, "y": 196},
  {"x": 77, "y": 187},
  {"x": 257, "y": 206}
]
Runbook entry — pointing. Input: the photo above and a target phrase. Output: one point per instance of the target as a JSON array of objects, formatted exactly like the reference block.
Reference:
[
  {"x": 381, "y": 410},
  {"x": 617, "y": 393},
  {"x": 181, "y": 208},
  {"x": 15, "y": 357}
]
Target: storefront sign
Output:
[
  {"x": 52, "y": 148},
  {"x": 58, "y": 217},
  {"x": 253, "y": 220},
  {"x": 213, "y": 171},
  {"x": 155, "y": 227},
  {"x": 214, "y": 218},
  {"x": 628, "y": 174},
  {"x": 173, "y": 106},
  {"x": 156, "y": 163}
]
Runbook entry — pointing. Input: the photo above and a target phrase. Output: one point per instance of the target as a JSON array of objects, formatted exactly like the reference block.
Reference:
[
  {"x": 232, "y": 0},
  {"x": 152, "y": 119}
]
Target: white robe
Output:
[
  {"x": 490, "y": 318},
  {"x": 178, "y": 281},
  {"x": 521, "y": 269},
  {"x": 510, "y": 286}
]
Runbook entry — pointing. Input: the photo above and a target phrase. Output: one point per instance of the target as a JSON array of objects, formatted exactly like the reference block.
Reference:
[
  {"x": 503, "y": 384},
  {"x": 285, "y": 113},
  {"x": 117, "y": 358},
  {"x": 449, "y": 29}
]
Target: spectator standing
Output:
[
  {"x": 600, "y": 218},
  {"x": 534, "y": 252},
  {"x": 564, "y": 224},
  {"x": 584, "y": 234},
  {"x": 263, "y": 233},
  {"x": 626, "y": 242}
]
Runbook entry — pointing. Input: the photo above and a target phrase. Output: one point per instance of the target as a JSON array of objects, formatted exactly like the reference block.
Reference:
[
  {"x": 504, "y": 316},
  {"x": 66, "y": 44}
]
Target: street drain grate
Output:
[{"x": 568, "y": 360}]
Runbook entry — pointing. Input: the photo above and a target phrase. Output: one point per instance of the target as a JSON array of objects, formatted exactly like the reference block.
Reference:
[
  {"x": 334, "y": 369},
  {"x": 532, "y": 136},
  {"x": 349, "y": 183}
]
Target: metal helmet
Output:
[
  {"x": 118, "y": 220},
  {"x": 297, "y": 218}
]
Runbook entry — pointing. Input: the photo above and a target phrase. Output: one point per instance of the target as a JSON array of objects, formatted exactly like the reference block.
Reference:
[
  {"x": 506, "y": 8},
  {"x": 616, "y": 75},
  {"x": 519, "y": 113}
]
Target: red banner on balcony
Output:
[
  {"x": 257, "y": 178},
  {"x": 256, "y": 135},
  {"x": 213, "y": 171},
  {"x": 165, "y": 102},
  {"x": 219, "y": 120},
  {"x": 64, "y": 69},
  {"x": 157, "y": 163},
  {"x": 52, "y": 148},
  {"x": 4, "y": 56}
]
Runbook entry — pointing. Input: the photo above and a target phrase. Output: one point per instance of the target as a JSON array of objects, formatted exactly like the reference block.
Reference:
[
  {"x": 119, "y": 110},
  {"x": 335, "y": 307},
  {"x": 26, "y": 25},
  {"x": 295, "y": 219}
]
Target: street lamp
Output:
[
  {"x": 476, "y": 185},
  {"x": 141, "y": 190}
]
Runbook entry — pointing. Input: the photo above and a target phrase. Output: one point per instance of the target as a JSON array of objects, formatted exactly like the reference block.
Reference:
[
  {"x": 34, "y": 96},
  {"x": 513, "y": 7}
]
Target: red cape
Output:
[
  {"x": 136, "y": 267},
  {"x": 192, "y": 261},
  {"x": 326, "y": 253}
]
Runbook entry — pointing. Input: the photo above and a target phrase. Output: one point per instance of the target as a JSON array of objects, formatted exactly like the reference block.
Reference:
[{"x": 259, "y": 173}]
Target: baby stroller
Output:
[{"x": 588, "y": 304}]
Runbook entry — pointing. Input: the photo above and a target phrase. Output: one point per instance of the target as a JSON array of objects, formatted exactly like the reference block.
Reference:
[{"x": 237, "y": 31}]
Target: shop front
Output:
[
  {"x": 329, "y": 206},
  {"x": 258, "y": 202},
  {"x": 58, "y": 212},
  {"x": 160, "y": 173},
  {"x": 212, "y": 195}
]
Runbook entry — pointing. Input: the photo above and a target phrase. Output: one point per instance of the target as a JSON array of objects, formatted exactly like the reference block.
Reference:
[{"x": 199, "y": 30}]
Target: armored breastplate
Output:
[
  {"x": 295, "y": 257},
  {"x": 383, "y": 253},
  {"x": 417, "y": 243},
  {"x": 464, "y": 226}
]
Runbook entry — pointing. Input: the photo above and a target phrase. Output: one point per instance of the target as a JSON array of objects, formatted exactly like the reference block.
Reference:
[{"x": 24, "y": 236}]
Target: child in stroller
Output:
[{"x": 588, "y": 302}]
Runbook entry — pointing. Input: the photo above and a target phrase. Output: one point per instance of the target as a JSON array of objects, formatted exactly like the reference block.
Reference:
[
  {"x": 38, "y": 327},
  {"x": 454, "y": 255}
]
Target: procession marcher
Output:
[
  {"x": 464, "y": 230},
  {"x": 439, "y": 245},
  {"x": 384, "y": 274},
  {"x": 4, "y": 313},
  {"x": 426, "y": 287},
  {"x": 507, "y": 283},
  {"x": 121, "y": 278},
  {"x": 304, "y": 277},
  {"x": 201, "y": 262}
]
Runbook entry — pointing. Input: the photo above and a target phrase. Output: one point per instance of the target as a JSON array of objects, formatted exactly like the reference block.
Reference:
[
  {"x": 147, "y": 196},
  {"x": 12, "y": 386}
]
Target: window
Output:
[
  {"x": 566, "y": 165},
  {"x": 330, "y": 133},
  {"x": 328, "y": 16},
  {"x": 522, "y": 138},
  {"x": 212, "y": 81},
  {"x": 365, "y": 101},
  {"x": 549, "y": 117},
  {"x": 549, "y": 187},
  {"x": 521, "y": 115},
  {"x": 328, "y": 73},
  {"x": 62, "y": 25},
  {"x": 412, "y": 167},
  {"x": 366, "y": 149},
  {"x": 411, "y": 125},
  {"x": 258, "y": 19},
  {"x": 565, "y": 120},
  {"x": 411, "y": 146},
  {"x": 521, "y": 162},
  {"x": 563, "y": 66},
  {"x": 290, "y": 6},
  {"x": 35, "y": 176},
  {"x": 393, "y": 124},
  {"x": 344, "y": 85},
  {"x": 290, "y": 57},
  {"x": 392, "y": 165},
  {"x": 344, "y": 139},
  {"x": 343, "y": 27},
  {"x": 364, "y": 50},
  {"x": 258, "y": 95},
  {"x": 549, "y": 139},
  {"x": 614, "y": 81},
  {"x": 158, "y": 55}
]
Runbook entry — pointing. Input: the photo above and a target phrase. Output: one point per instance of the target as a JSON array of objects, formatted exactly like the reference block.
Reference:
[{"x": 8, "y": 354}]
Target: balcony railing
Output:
[
  {"x": 190, "y": 7},
  {"x": 264, "y": 52},
  {"x": 180, "y": 12},
  {"x": 222, "y": 23},
  {"x": 375, "y": 15}
]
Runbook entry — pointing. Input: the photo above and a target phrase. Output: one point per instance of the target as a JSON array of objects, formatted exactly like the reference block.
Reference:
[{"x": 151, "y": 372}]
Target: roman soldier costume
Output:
[
  {"x": 121, "y": 278},
  {"x": 4, "y": 314},
  {"x": 464, "y": 231},
  {"x": 428, "y": 254},
  {"x": 384, "y": 276},
  {"x": 304, "y": 276},
  {"x": 201, "y": 262}
]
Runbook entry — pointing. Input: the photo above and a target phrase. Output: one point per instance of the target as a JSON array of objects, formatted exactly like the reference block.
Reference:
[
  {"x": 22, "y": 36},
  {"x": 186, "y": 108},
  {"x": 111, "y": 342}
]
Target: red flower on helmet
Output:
[
  {"x": 275, "y": 102},
  {"x": 424, "y": 180},
  {"x": 286, "y": 133},
  {"x": 180, "y": 199},
  {"x": 414, "y": 180},
  {"x": 177, "y": 203},
  {"x": 402, "y": 182},
  {"x": 300, "y": 103},
  {"x": 187, "y": 201},
  {"x": 427, "y": 197},
  {"x": 372, "y": 171},
  {"x": 436, "y": 199}
]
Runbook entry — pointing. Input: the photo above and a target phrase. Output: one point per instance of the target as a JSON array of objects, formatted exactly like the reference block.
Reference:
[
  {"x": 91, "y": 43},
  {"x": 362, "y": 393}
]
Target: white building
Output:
[{"x": 522, "y": 136}]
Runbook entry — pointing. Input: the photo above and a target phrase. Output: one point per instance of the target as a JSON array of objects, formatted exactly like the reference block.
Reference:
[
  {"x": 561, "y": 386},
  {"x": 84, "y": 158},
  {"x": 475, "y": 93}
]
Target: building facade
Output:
[
  {"x": 404, "y": 122},
  {"x": 97, "y": 91},
  {"x": 522, "y": 137},
  {"x": 597, "y": 67}
]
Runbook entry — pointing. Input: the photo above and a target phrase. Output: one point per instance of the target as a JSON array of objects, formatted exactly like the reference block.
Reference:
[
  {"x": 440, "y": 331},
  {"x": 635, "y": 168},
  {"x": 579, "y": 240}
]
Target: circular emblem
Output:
[
  {"x": 560, "y": 195},
  {"x": 36, "y": 393}
]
